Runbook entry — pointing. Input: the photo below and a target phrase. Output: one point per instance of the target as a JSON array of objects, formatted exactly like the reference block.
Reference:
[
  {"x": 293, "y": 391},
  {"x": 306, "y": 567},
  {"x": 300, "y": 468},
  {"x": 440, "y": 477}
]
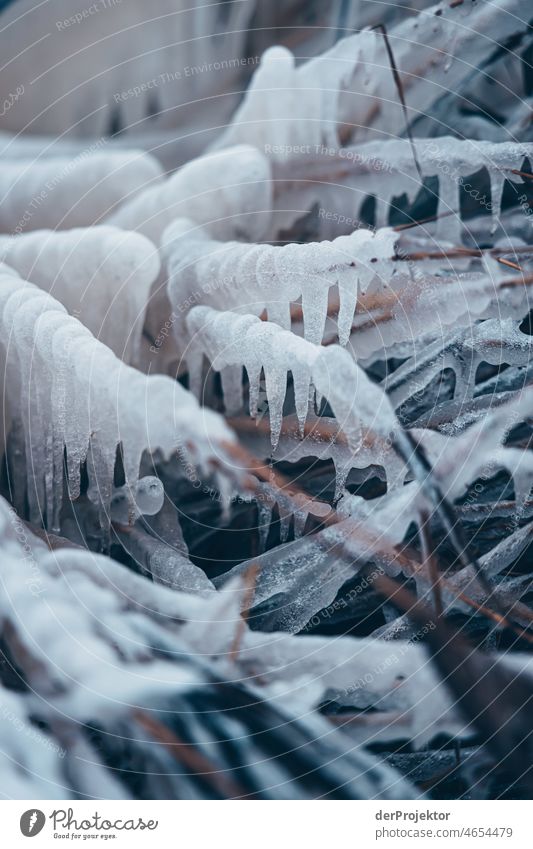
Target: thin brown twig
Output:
[
  {"x": 509, "y": 263},
  {"x": 399, "y": 88},
  {"x": 268, "y": 474},
  {"x": 499, "y": 618},
  {"x": 410, "y": 605},
  {"x": 525, "y": 174}
]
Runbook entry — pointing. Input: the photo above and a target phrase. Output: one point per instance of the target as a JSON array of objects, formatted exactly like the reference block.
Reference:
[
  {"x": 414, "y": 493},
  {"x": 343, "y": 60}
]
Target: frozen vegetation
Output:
[{"x": 266, "y": 368}]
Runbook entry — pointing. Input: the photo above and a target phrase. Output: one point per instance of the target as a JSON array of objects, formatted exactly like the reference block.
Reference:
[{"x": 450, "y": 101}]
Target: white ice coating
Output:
[
  {"x": 91, "y": 625},
  {"x": 386, "y": 170},
  {"x": 102, "y": 275},
  {"x": 69, "y": 391},
  {"x": 383, "y": 522},
  {"x": 307, "y": 569},
  {"x": 450, "y": 159},
  {"x": 32, "y": 759},
  {"x": 286, "y": 106},
  {"x": 350, "y": 90},
  {"x": 479, "y": 453},
  {"x": 230, "y": 190},
  {"x": 423, "y": 308},
  {"x": 61, "y": 192},
  {"x": 251, "y": 278},
  {"x": 434, "y": 52},
  {"x": 231, "y": 341}
]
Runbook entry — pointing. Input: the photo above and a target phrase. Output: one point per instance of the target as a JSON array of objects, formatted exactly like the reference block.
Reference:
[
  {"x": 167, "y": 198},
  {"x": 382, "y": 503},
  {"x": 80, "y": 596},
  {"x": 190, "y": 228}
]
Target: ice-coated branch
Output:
[
  {"x": 230, "y": 191},
  {"x": 102, "y": 275},
  {"x": 64, "y": 192},
  {"x": 253, "y": 278},
  {"x": 78, "y": 397},
  {"x": 231, "y": 341},
  {"x": 349, "y": 92},
  {"x": 385, "y": 170}
]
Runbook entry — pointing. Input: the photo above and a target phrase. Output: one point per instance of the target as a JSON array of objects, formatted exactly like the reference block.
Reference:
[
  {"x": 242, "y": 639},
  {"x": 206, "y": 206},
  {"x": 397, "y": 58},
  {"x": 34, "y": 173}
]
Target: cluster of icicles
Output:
[
  {"x": 103, "y": 273},
  {"x": 386, "y": 170},
  {"x": 67, "y": 392},
  {"x": 103, "y": 255},
  {"x": 259, "y": 276},
  {"x": 147, "y": 247}
]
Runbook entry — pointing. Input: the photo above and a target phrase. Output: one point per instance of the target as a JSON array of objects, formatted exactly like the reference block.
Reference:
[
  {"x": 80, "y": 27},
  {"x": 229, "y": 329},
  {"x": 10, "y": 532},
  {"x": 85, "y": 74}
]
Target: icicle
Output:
[
  {"x": 254, "y": 384},
  {"x": 195, "y": 367},
  {"x": 49, "y": 324},
  {"x": 72, "y": 432},
  {"x": 253, "y": 278},
  {"x": 230, "y": 339},
  {"x": 348, "y": 286},
  {"x": 449, "y": 224},
  {"x": 301, "y": 384},
  {"x": 497, "y": 183},
  {"x": 264, "y": 520},
  {"x": 276, "y": 386},
  {"x": 342, "y": 470},
  {"x": 315, "y": 310},
  {"x": 76, "y": 395}
]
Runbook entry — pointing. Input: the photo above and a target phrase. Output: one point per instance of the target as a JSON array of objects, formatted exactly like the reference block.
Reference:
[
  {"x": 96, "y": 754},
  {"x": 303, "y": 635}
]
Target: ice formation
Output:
[
  {"x": 118, "y": 661},
  {"x": 257, "y": 277},
  {"x": 349, "y": 92},
  {"x": 497, "y": 342},
  {"x": 421, "y": 309},
  {"x": 78, "y": 398},
  {"x": 231, "y": 341},
  {"x": 63, "y": 192},
  {"x": 146, "y": 500},
  {"x": 386, "y": 171},
  {"x": 352, "y": 256},
  {"x": 231, "y": 191},
  {"x": 102, "y": 275}
]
